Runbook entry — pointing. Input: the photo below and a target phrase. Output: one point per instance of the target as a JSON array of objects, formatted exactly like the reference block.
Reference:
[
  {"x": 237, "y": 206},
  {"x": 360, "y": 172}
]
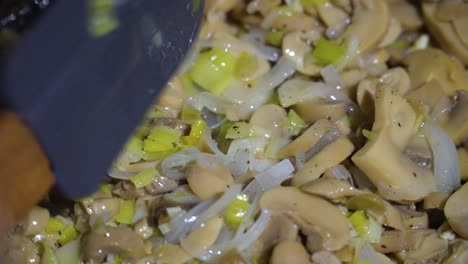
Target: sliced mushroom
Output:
[
  {"x": 456, "y": 211},
  {"x": 203, "y": 237},
  {"x": 331, "y": 155},
  {"x": 393, "y": 32},
  {"x": 220, "y": 5},
  {"x": 379, "y": 209},
  {"x": 207, "y": 177},
  {"x": 293, "y": 21},
  {"x": 435, "y": 200},
  {"x": 447, "y": 22},
  {"x": 433, "y": 64},
  {"x": 280, "y": 227},
  {"x": 459, "y": 253},
  {"x": 382, "y": 160},
  {"x": 457, "y": 124},
  {"x": 406, "y": 14},
  {"x": 330, "y": 188},
  {"x": 414, "y": 219},
  {"x": 103, "y": 210},
  {"x": 307, "y": 139},
  {"x": 174, "y": 254},
  {"x": 262, "y": 6},
  {"x": 463, "y": 161},
  {"x": 335, "y": 18},
  {"x": 325, "y": 257},
  {"x": 396, "y": 241},
  {"x": 35, "y": 222},
  {"x": 431, "y": 250},
  {"x": 312, "y": 110},
  {"x": 100, "y": 242},
  {"x": 369, "y": 23},
  {"x": 295, "y": 47},
  {"x": 271, "y": 118},
  {"x": 325, "y": 220},
  {"x": 289, "y": 251}
]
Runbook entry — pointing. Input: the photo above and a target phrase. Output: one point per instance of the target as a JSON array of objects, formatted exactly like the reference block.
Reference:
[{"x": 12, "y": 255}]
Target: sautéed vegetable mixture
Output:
[{"x": 297, "y": 131}]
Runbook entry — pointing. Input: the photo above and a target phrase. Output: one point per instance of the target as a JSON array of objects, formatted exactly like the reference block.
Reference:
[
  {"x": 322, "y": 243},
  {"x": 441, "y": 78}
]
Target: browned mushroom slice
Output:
[
  {"x": 330, "y": 225},
  {"x": 369, "y": 23},
  {"x": 203, "y": 237},
  {"x": 396, "y": 241},
  {"x": 459, "y": 253},
  {"x": 447, "y": 22},
  {"x": 100, "y": 242},
  {"x": 457, "y": 124},
  {"x": 290, "y": 251},
  {"x": 456, "y": 211},
  {"x": 431, "y": 250},
  {"x": 168, "y": 253},
  {"x": 270, "y": 117}
]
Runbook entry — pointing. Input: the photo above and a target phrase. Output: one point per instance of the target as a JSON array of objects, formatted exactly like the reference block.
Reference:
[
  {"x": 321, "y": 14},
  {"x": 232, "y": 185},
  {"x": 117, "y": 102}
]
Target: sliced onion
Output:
[
  {"x": 182, "y": 223},
  {"x": 255, "y": 37},
  {"x": 340, "y": 172},
  {"x": 174, "y": 166},
  {"x": 368, "y": 254},
  {"x": 212, "y": 119},
  {"x": 246, "y": 240},
  {"x": 446, "y": 163},
  {"x": 282, "y": 70},
  {"x": 297, "y": 90},
  {"x": 212, "y": 145},
  {"x": 300, "y": 159},
  {"x": 331, "y": 76},
  {"x": 218, "y": 206},
  {"x": 272, "y": 177},
  {"x": 118, "y": 174},
  {"x": 212, "y": 102},
  {"x": 443, "y": 105},
  {"x": 182, "y": 195}
]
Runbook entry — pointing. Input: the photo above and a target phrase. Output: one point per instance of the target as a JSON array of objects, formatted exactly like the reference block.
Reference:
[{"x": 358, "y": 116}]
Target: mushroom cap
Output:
[{"x": 290, "y": 251}]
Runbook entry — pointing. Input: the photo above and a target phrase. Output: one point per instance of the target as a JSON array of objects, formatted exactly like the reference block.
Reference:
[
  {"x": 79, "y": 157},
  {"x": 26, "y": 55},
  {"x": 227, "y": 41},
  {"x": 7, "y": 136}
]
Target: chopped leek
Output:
[
  {"x": 366, "y": 227},
  {"x": 213, "y": 70},
  {"x": 54, "y": 225},
  {"x": 236, "y": 210},
  {"x": 106, "y": 188},
  {"x": 275, "y": 37},
  {"x": 68, "y": 234},
  {"x": 134, "y": 149},
  {"x": 190, "y": 113},
  {"x": 144, "y": 177},
  {"x": 246, "y": 65},
  {"x": 328, "y": 52},
  {"x": 126, "y": 213},
  {"x": 313, "y": 2},
  {"x": 195, "y": 134},
  {"x": 239, "y": 130},
  {"x": 162, "y": 139},
  {"x": 295, "y": 123},
  {"x": 102, "y": 17},
  {"x": 48, "y": 254},
  {"x": 188, "y": 86}
]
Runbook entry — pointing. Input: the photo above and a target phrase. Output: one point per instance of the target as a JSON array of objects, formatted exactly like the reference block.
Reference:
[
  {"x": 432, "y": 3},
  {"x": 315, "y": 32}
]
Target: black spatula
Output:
[{"x": 82, "y": 95}]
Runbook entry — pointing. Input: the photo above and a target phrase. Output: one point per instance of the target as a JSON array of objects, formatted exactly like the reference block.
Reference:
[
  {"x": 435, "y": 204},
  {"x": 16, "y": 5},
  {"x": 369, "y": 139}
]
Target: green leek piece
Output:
[
  {"x": 106, "y": 188},
  {"x": 188, "y": 86},
  {"x": 275, "y": 37},
  {"x": 239, "y": 130},
  {"x": 295, "y": 123},
  {"x": 195, "y": 133},
  {"x": 190, "y": 113},
  {"x": 69, "y": 253},
  {"x": 68, "y": 234},
  {"x": 236, "y": 210},
  {"x": 149, "y": 156},
  {"x": 213, "y": 70},
  {"x": 48, "y": 254},
  {"x": 366, "y": 227},
  {"x": 134, "y": 148},
  {"x": 246, "y": 65},
  {"x": 126, "y": 213},
  {"x": 54, "y": 225},
  {"x": 162, "y": 139},
  {"x": 308, "y": 3},
  {"x": 144, "y": 177},
  {"x": 328, "y": 52}
]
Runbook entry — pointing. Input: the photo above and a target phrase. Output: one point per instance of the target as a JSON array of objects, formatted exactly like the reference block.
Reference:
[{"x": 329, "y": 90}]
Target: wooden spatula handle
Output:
[{"x": 25, "y": 174}]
